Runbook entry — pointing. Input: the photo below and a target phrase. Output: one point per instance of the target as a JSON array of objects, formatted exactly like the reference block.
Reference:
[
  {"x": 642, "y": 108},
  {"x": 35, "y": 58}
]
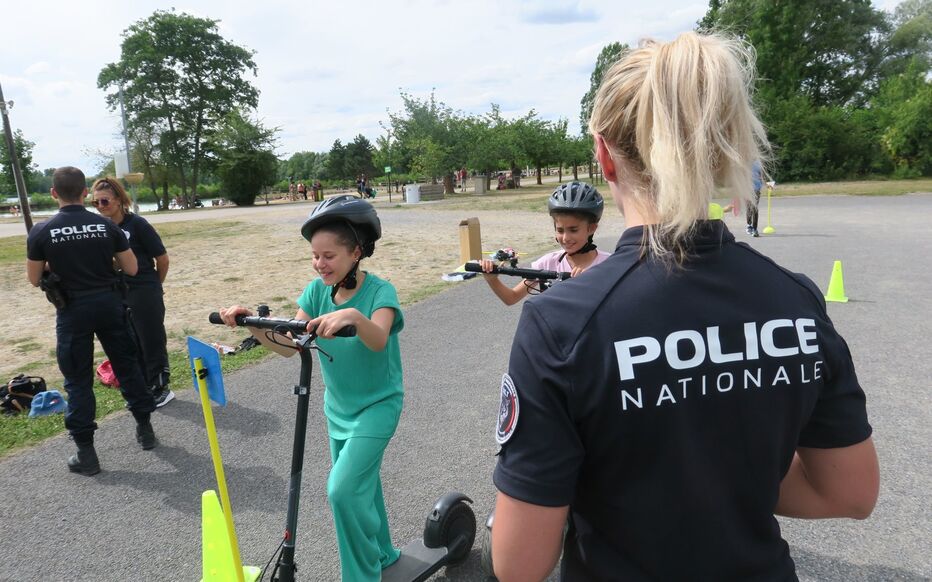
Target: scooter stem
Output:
[{"x": 286, "y": 567}]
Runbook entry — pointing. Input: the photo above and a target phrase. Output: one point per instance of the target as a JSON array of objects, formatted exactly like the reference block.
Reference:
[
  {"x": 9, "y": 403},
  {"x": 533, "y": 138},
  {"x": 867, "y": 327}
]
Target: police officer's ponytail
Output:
[{"x": 677, "y": 118}]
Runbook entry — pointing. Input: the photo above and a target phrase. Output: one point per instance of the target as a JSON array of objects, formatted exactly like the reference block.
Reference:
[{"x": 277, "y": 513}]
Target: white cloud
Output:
[
  {"x": 38, "y": 68},
  {"x": 329, "y": 70}
]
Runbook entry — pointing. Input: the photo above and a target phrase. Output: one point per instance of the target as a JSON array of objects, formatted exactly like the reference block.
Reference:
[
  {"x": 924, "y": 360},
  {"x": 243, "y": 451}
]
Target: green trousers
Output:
[{"x": 354, "y": 490}]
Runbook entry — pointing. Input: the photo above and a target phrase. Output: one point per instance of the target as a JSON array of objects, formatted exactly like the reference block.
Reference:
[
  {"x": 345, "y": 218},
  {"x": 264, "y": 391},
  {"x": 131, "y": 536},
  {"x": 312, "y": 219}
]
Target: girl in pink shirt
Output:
[{"x": 576, "y": 209}]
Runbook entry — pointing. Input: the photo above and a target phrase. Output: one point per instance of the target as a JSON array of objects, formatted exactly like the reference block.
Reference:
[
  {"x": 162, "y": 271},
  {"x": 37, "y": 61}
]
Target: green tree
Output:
[
  {"x": 358, "y": 158},
  {"x": 24, "y": 149},
  {"x": 181, "y": 76},
  {"x": 829, "y": 50},
  {"x": 577, "y": 151},
  {"x": 541, "y": 141},
  {"x": 433, "y": 133},
  {"x": 241, "y": 151},
  {"x": 487, "y": 142},
  {"x": 607, "y": 57},
  {"x": 303, "y": 166},
  {"x": 906, "y": 104},
  {"x": 912, "y": 37},
  {"x": 336, "y": 162}
]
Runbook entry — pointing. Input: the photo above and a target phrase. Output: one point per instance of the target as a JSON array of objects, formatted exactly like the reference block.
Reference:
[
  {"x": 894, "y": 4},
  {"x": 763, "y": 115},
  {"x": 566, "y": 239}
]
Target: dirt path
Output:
[{"x": 256, "y": 255}]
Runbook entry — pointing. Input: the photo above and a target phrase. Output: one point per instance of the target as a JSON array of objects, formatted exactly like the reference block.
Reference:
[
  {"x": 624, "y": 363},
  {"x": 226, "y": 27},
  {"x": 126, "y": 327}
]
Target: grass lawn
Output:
[{"x": 19, "y": 431}]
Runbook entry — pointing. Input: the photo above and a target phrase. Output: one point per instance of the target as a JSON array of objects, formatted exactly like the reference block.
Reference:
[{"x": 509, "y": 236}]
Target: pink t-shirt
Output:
[{"x": 552, "y": 262}]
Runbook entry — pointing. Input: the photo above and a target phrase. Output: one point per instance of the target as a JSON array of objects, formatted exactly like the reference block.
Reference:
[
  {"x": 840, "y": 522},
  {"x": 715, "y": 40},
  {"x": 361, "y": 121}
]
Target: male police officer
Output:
[{"x": 79, "y": 248}]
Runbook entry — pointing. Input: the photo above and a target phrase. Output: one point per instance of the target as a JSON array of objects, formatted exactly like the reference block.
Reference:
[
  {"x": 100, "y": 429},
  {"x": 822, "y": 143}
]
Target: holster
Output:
[{"x": 54, "y": 291}]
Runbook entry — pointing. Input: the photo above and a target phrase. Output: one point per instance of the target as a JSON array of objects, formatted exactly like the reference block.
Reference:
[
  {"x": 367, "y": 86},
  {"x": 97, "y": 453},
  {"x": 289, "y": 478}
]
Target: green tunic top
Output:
[{"x": 364, "y": 390}]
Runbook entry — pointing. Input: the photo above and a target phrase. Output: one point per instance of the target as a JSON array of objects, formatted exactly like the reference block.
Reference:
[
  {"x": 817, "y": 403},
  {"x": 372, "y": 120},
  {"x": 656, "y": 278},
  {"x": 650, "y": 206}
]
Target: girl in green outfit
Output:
[{"x": 363, "y": 396}]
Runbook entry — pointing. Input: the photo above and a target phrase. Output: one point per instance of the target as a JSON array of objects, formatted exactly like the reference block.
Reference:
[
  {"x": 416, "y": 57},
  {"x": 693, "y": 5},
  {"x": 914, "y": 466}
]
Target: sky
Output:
[{"x": 328, "y": 70}]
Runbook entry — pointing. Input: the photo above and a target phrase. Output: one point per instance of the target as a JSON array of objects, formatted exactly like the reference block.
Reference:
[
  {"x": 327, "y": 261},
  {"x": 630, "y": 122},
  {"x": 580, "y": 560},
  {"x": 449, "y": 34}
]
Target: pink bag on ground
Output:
[{"x": 106, "y": 375}]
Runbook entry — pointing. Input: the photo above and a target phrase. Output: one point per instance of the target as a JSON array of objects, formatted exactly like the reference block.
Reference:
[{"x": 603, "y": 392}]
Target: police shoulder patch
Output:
[{"x": 507, "y": 411}]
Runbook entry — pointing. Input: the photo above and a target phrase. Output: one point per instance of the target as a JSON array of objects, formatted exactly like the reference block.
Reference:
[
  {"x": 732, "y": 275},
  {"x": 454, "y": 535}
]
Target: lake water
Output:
[{"x": 143, "y": 207}]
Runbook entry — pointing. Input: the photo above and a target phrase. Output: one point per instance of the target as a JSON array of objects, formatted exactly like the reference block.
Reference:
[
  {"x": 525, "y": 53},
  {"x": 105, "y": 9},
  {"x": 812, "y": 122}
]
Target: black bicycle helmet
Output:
[
  {"x": 359, "y": 214},
  {"x": 576, "y": 197}
]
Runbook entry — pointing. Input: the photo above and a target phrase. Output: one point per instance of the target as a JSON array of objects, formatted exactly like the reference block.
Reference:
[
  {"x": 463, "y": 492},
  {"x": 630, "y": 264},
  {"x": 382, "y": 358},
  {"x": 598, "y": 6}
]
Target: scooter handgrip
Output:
[
  {"x": 348, "y": 331},
  {"x": 477, "y": 268},
  {"x": 215, "y": 318}
]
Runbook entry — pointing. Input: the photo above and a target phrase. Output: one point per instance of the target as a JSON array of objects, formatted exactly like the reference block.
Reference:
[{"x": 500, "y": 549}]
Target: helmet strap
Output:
[
  {"x": 589, "y": 246},
  {"x": 349, "y": 281}
]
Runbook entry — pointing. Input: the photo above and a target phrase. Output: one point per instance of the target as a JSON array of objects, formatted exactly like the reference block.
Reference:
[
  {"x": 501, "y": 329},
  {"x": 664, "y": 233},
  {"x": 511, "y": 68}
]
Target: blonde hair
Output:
[
  {"x": 114, "y": 186},
  {"x": 677, "y": 117}
]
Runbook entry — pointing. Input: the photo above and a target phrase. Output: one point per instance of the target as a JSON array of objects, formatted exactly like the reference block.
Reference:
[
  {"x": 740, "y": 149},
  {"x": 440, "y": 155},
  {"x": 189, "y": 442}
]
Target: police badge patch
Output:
[{"x": 507, "y": 411}]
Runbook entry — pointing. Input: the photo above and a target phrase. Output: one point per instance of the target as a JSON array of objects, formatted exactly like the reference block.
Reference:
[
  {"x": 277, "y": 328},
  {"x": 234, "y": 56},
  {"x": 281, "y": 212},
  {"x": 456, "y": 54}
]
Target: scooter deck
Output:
[{"x": 417, "y": 563}]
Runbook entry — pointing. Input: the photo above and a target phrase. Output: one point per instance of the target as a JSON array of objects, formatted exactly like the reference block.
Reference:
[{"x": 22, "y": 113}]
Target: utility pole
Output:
[
  {"x": 14, "y": 161},
  {"x": 129, "y": 163}
]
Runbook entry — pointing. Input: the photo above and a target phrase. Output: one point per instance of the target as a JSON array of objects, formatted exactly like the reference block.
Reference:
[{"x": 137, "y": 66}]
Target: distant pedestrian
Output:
[{"x": 752, "y": 213}]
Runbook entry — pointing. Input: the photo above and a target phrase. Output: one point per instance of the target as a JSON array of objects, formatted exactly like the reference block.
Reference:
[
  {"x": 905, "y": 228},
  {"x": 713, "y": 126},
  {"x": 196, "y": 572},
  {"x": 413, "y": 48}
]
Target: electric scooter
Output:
[{"x": 450, "y": 528}]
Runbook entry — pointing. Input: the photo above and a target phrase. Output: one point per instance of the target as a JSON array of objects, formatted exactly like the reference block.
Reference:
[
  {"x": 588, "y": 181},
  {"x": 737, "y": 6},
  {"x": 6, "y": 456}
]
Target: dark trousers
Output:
[
  {"x": 148, "y": 307},
  {"x": 752, "y": 213},
  {"x": 100, "y": 314}
]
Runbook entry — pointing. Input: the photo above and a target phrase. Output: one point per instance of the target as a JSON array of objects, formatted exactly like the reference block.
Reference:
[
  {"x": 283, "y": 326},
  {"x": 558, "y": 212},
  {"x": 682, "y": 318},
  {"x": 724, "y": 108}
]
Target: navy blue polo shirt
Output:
[
  {"x": 78, "y": 246},
  {"x": 664, "y": 405},
  {"x": 146, "y": 245}
]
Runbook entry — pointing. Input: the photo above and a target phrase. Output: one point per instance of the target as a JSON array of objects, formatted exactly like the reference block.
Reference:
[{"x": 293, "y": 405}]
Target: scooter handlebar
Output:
[
  {"x": 536, "y": 274},
  {"x": 298, "y": 326}
]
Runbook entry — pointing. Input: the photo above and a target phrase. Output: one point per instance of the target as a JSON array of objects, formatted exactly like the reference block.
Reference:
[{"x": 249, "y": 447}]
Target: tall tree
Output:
[
  {"x": 541, "y": 141},
  {"x": 912, "y": 37},
  {"x": 358, "y": 158},
  {"x": 24, "y": 149},
  {"x": 829, "y": 50},
  {"x": 180, "y": 75},
  {"x": 336, "y": 162},
  {"x": 433, "y": 132},
  {"x": 241, "y": 151},
  {"x": 607, "y": 57}
]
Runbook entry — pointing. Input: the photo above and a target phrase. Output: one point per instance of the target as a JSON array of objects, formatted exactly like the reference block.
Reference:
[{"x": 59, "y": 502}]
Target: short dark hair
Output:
[{"x": 69, "y": 183}]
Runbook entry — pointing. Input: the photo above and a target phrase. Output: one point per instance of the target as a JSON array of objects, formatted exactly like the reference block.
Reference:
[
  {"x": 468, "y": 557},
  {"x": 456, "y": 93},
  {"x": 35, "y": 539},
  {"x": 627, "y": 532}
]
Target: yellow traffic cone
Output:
[
  {"x": 219, "y": 565},
  {"x": 836, "y": 287}
]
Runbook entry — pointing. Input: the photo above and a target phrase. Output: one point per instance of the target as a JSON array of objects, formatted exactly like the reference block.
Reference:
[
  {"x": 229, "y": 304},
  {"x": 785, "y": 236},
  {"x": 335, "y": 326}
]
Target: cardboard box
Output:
[{"x": 470, "y": 240}]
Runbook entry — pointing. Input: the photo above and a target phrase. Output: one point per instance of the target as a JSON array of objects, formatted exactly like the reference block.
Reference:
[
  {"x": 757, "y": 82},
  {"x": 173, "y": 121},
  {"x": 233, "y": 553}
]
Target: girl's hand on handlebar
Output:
[
  {"x": 326, "y": 326},
  {"x": 576, "y": 271},
  {"x": 487, "y": 266},
  {"x": 229, "y": 314}
]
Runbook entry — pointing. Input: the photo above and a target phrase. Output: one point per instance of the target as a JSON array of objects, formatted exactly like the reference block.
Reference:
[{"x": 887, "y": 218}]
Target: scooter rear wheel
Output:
[{"x": 458, "y": 523}]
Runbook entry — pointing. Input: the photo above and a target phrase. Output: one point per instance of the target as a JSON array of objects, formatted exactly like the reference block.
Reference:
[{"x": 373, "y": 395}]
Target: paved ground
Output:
[{"x": 140, "y": 518}]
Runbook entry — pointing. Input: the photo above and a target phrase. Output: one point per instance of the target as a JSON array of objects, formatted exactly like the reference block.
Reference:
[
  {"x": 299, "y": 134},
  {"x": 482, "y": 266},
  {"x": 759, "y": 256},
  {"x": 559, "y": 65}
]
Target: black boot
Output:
[
  {"x": 85, "y": 461},
  {"x": 145, "y": 436}
]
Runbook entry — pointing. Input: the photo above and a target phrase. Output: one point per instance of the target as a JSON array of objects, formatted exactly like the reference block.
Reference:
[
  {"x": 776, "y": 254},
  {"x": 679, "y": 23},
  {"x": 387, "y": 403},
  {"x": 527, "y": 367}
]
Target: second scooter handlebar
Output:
[
  {"x": 535, "y": 274},
  {"x": 297, "y": 326}
]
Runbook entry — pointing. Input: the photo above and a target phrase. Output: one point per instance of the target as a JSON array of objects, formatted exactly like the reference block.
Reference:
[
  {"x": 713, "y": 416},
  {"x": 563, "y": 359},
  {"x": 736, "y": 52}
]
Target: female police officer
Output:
[
  {"x": 678, "y": 395},
  {"x": 79, "y": 248}
]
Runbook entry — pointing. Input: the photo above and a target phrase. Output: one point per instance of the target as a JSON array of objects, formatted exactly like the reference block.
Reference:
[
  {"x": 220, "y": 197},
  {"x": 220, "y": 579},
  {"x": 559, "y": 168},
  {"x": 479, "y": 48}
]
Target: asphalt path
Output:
[{"x": 140, "y": 518}]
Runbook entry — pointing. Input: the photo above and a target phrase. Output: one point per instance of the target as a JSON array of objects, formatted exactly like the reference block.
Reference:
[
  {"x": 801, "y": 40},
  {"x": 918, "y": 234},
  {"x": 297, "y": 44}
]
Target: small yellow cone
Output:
[
  {"x": 836, "y": 287},
  {"x": 218, "y": 562}
]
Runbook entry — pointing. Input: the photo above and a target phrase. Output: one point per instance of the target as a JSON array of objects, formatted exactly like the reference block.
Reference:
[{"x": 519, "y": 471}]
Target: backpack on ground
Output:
[{"x": 17, "y": 395}]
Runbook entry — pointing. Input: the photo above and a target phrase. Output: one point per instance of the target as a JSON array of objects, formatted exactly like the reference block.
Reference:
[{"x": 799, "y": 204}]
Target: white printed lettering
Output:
[
  {"x": 665, "y": 394},
  {"x": 766, "y": 339},
  {"x": 715, "y": 348},
  {"x": 626, "y": 360},
  {"x": 673, "y": 353},
  {"x": 781, "y": 377},
  {"x": 804, "y": 336},
  {"x": 731, "y": 381},
  {"x": 625, "y": 397}
]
